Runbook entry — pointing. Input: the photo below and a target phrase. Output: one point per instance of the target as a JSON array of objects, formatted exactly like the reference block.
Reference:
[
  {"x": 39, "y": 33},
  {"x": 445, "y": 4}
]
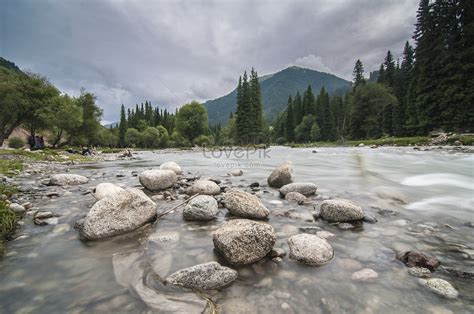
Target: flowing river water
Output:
[{"x": 422, "y": 200}]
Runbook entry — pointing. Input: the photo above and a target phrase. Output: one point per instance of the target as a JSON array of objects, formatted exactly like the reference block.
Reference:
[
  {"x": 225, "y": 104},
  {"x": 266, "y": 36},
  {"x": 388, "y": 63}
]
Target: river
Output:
[{"x": 422, "y": 200}]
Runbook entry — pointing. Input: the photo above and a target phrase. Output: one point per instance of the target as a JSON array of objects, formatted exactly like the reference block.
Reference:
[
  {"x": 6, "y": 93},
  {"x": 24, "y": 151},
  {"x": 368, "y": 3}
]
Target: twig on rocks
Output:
[{"x": 177, "y": 206}]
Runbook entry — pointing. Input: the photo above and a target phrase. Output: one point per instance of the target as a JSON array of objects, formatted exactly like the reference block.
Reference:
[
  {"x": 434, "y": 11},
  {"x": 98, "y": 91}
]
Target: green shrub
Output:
[
  {"x": 16, "y": 142},
  {"x": 8, "y": 220},
  {"x": 204, "y": 140}
]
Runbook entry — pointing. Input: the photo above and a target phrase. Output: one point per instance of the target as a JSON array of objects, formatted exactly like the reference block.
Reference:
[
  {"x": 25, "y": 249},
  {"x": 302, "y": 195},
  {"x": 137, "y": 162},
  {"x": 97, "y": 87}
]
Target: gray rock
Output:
[
  {"x": 205, "y": 187},
  {"x": 105, "y": 189},
  {"x": 341, "y": 210},
  {"x": 282, "y": 175},
  {"x": 207, "y": 276},
  {"x": 440, "y": 287},
  {"x": 202, "y": 207},
  {"x": 243, "y": 204},
  {"x": 67, "y": 179},
  {"x": 305, "y": 188},
  {"x": 243, "y": 241},
  {"x": 236, "y": 173},
  {"x": 277, "y": 252},
  {"x": 171, "y": 165},
  {"x": 155, "y": 180},
  {"x": 17, "y": 208},
  {"x": 118, "y": 214},
  {"x": 366, "y": 275},
  {"x": 419, "y": 272},
  {"x": 369, "y": 219},
  {"x": 310, "y": 249},
  {"x": 296, "y": 197},
  {"x": 325, "y": 234},
  {"x": 310, "y": 229}
]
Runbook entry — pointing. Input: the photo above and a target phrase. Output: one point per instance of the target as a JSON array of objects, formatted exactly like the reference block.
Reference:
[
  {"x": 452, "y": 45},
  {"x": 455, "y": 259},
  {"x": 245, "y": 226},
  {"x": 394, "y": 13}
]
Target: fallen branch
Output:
[{"x": 176, "y": 207}]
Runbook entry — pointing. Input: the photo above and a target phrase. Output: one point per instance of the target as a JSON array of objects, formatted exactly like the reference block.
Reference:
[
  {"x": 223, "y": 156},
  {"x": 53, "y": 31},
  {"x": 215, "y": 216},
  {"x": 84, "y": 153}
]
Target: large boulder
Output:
[
  {"x": 305, "y": 188},
  {"x": 105, "y": 189},
  {"x": 243, "y": 241},
  {"x": 243, "y": 204},
  {"x": 155, "y": 180},
  {"x": 171, "y": 165},
  {"x": 282, "y": 175},
  {"x": 205, "y": 187},
  {"x": 67, "y": 179},
  {"x": 118, "y": 214},
  {"x": 206, "y": 276},
  {"x": 340, "y": 210},
  {"x": 310, "y": 249},
  {"x": 202, "y": 207}
]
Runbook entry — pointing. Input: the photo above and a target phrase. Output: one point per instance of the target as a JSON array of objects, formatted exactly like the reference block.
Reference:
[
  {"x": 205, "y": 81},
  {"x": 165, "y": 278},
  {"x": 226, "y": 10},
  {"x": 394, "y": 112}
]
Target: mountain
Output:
[{"x": 275, "y": 91}]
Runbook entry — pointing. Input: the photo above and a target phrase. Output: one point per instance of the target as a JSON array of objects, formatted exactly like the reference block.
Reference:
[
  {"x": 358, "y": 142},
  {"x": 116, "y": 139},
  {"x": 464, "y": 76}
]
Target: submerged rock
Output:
[
  {"x": 440, "y": 287},
  {"x": 155, "y": 180},
  {"x": 202, "y": 207},
  {"x": 413, "y": 258},
  {"x": 207, "y": 276},
  {"x": 118, "y": 214},
  {"x": 243, "y": 241},
  {"x": 296, "y": 197},
  {"x": 282, "y": 175},
  {"x": 305, "y": 188},
  {"x": 341, "y": 210},
  {"x": 236, "y": 173},
  {"x": 67, "y": 179},
  {"x": 205, "y": 187},
  {"x": 419, "y": 272},
  {"x": 310, "y": 249},
  {"x": 171, "y": 165},
  {"x": 365, "y": 275},
  {"x": 243, "y": 204},
  {"x": 105, "y": 189}
]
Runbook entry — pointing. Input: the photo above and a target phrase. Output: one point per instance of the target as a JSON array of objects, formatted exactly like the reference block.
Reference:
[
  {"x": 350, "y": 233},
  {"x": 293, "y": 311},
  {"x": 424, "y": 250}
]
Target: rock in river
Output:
[
  {"x": 282, "y": 175},
  {"x": 155, "y": 180},
  {"x": 105, "y": 189},
  {"x": 296, "y": 197},
  {"x": 341, "y": 210},
  {"x": 118, "y": 214},
  {"x": 305, "y": 188},
  {"x": 202, "y": 207},
  {"x": 205, "y": 187},
  {"x": 243, "y": 204},
  {"x": 171, "y": 165},
  {"x": 207, "y": 276},
  {"x": 440, "y": 287},
  {"x": 310, "y": 249},
  {"x": 67, "y": 179},
  {"x": 17, "y": 208},
  {"x": 243, "y": 241},
  {"x": 366, "y": 275},
  {"x": 413, "y": 258}
]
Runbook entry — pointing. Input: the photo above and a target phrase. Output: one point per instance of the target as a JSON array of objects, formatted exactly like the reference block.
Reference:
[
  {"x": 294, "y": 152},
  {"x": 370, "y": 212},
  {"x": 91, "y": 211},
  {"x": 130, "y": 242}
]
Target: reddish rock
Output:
[{"x": 414, "y": 259}]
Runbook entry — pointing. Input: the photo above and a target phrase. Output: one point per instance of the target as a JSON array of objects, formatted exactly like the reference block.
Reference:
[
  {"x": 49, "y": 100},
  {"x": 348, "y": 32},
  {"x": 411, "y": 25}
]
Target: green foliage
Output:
[
  {"x": 358, "y": 75},
  {"x": 155, "y": 137},
  {"x": 15, "y": 142},
  {"x": 7, "y": 166},
  {"x": 133, "y": 138},
  {"x": 122, "y": 126},
  {"x": 8, "y": 220},
  {"x": 191, "y": 121},
  {"x": 178, "y": 140},
  {"x": 303, "y": 130},
  {"x": 315, "y": 132},
  {"x": 204, "y": 140}
]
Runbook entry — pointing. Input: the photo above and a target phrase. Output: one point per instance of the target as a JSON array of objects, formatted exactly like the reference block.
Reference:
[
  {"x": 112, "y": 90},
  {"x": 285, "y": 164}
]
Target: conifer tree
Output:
[
  {"x": 122, "y": 126},
  {"x": 309, "y": 102},
  {"x": 290, "y": 121},
  {"x": 358, "y": 75},
  {"x": 298, "y": 113}
]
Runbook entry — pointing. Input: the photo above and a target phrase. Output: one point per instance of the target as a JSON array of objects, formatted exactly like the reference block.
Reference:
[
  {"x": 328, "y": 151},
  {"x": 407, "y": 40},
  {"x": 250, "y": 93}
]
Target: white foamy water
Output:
[{"x": 440, "y": 179}]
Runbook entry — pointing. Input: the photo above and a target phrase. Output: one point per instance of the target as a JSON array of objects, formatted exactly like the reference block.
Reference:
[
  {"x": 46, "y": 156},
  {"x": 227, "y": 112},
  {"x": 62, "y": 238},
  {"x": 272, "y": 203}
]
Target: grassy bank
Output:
[{"x": 8, "y": 219}]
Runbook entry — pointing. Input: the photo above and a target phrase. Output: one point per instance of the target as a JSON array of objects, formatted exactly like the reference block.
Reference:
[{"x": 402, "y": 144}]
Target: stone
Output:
[
  {"x": 310, "y": 249},
  {"x": 207, "y": 276},
  {"x": 243, "y": 241},
  {"x": 171, "y": 165},
  {"x": 282, "y": 175},
  {"x": 105, "y": 189},
  {"x": 305, "y": 188},
  {"x": 236, "y": 173},
  {"x": 441, "y": 287},
  {"x": 61, "y": 228},
  {"x": 369, "y": 219},
  {"x": 118, "y": 214},
  {"x": 413, "y": 258},
  {"x": 17, "y": 208},
  {"x": 420, "y": 272},
  {"x": 205, "y": 187},
  {"x": 366, "y": 275},
  {"x": 27, "y": 205},
  {"x": 341, "y": 210},
  {"x": 156, "y": 180},
  {"x": 296, "y": 197},
  {"x": 202, "y": 207},
  {"x": 277, "y": 252},
  {"x": 64, "y": 179},
  {"x": 254, "y": 185},
  {"x": 243, "y": 204},
  {"x": 310, "y": 229},
  {"x": 325, "y": 234}
]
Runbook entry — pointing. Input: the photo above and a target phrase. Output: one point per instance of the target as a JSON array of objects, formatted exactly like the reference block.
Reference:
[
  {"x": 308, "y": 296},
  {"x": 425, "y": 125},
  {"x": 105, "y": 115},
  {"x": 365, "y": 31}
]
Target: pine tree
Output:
[
  {"x": 256, "y": 103},
  {"x": 298, "y": 113},
  {"x": 122, "y": 126},
  {"x": 358, "y": 75},
  {"x": 290, "y": 121},
  {"x": 328, "y": 132},
  {"x": 389, "y": 73},
  {"x": 309, "y": 102},
  {"x": 381, "y": 78}
]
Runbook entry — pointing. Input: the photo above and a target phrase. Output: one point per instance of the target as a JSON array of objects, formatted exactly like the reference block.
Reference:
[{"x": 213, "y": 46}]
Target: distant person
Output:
[
  {"x": 31, "y": 142},
  {"x": 41, "y": 142},
  {"x": 37, "y": 142}
]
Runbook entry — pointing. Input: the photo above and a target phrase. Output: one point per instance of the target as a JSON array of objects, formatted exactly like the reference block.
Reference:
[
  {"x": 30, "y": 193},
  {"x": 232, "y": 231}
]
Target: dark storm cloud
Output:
[{"x": 171, "y": 52}]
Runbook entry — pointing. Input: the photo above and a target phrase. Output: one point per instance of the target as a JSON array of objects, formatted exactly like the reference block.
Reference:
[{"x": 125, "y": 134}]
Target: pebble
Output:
[
  {"x": 365, "y": 275},
  {"x": 61, "y": 228},
  {"x": 420, "y": 272}
]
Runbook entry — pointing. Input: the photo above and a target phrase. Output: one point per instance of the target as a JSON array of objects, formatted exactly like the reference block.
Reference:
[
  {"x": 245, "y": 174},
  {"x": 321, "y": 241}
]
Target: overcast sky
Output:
[{"x": 172, "y": 52}]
